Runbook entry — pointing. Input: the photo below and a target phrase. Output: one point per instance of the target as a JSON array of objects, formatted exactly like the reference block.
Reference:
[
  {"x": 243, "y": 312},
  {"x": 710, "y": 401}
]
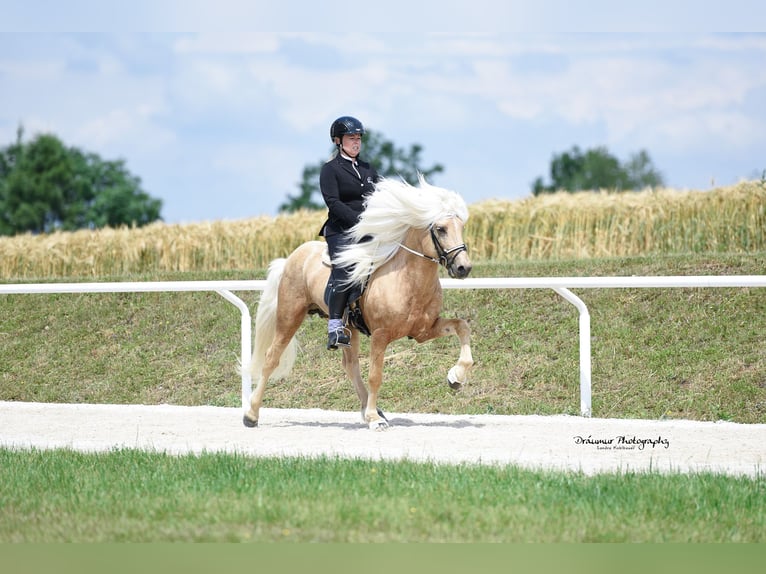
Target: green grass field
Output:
[
  {"x": 681, "y": 353},
  {"x": 132, "y": 496},
  {"x": 684, "y": 353}
]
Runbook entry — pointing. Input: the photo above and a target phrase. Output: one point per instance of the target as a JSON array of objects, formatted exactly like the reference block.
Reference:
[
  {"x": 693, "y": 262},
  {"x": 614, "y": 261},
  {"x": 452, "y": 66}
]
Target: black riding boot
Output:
[{"x": 338, "y": 336}]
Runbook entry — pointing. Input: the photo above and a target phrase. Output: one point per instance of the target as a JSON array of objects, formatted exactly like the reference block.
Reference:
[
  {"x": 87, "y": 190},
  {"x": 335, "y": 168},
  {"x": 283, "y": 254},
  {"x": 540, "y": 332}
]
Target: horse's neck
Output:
[
  {"x": 416, "y": 240},
  {"x": 414, "y": 271}
]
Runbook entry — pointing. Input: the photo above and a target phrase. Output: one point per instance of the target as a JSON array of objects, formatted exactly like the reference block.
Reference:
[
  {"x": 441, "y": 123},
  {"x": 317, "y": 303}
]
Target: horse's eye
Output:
[{"x": 441, "y": 230}]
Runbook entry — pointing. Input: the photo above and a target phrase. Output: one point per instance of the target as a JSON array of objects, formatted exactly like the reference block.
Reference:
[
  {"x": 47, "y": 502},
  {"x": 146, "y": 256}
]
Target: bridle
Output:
[{"x": 446, "y": 257}]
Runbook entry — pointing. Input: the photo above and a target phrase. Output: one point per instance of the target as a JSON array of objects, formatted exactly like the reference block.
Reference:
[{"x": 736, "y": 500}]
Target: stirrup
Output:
[{"x": 338, "y": 338}]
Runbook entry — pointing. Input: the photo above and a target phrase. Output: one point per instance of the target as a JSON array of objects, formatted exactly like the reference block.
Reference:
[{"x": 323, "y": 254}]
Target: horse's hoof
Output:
[
  {"x": 249, "y": 423},
  {"x": 454, "y": 384},
  {"x": 380, "y": 414},
  {"x": 379, "y": 425}
]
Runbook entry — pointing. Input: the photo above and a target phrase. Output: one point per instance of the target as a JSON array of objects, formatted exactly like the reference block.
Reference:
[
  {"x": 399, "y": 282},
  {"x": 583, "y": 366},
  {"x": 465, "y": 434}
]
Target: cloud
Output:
[
  {"x": 118, "y": 126},
  {"x": 226, "y": 43},
  {"x": 255, "y": 108},
  {"x": 632, "y": 89}
]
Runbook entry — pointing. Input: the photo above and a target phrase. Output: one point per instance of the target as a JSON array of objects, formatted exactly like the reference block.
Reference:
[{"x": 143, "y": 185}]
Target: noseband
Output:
[{"x": 446, "y": 257}]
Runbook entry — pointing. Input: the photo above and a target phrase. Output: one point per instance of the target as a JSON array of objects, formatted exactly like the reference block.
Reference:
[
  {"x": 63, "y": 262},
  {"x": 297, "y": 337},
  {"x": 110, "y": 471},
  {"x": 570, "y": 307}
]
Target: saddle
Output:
[{"x": 353, "y": 315}]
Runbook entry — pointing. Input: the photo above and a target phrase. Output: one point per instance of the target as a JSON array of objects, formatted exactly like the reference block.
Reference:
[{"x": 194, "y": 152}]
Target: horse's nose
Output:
[{"x": 462, "y": 271}]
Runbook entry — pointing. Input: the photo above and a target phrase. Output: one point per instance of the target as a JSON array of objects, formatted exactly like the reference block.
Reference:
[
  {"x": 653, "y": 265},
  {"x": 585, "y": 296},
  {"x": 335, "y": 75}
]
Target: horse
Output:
[{"x": 403, "y": 235}]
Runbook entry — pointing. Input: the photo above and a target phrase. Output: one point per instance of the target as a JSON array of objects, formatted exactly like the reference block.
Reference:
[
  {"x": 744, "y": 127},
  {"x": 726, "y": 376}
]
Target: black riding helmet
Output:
[{"x": 345, "y": 125}]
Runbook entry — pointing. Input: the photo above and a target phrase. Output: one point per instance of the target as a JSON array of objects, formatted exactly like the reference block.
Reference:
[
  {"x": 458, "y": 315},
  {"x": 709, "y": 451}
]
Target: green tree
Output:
[
  {"x": 45, "y": 186},
  {"x": 595, "y": 169},
  {"x": 641, "y": 171},
  {"x": 388, "y": 160}
]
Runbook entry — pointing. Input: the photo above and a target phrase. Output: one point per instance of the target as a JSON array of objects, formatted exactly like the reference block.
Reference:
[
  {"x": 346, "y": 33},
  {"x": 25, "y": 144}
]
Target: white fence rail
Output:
[{"x": 560, "y": 285}]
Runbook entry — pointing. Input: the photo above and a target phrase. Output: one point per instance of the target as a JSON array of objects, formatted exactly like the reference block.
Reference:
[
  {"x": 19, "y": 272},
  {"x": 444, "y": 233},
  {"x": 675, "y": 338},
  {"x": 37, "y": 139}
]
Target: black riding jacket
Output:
[{"x": 344, "y": 190}]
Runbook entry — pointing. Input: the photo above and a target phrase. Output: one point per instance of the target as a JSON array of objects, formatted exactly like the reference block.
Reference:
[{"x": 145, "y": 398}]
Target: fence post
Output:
[
  {"x": 245, "y": 344},
  {"x": 585, "y": 369}
]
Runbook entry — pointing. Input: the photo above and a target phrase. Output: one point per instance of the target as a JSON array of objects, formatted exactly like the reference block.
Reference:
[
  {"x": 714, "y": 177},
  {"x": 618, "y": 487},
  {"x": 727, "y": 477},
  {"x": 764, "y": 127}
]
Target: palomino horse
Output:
[{"x": 412, "y": 231}]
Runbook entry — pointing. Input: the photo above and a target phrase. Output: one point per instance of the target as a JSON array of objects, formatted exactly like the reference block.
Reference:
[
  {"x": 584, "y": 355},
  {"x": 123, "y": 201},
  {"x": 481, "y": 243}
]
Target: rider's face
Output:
[{"x": 351, "y": 144}]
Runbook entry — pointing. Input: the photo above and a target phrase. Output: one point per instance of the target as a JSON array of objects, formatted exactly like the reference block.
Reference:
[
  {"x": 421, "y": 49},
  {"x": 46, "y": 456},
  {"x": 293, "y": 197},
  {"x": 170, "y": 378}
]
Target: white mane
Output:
[{"x": 390, "y": 211}]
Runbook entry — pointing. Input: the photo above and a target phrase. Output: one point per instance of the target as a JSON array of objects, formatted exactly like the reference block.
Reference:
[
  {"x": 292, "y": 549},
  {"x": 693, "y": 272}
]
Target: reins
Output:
[
  {"x": 423, "y": 255},
  {"x": 444, "y": 254}
]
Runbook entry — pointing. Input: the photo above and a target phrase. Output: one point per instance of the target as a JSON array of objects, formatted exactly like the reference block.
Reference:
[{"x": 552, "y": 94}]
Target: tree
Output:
[
  {"x": 309, "y": 188},
  {"x": 598, "y": 169},
  {"x": 45, "y": 186},
  {"x": 641, "y": 172},
  {"x": 388, "y": 160}
]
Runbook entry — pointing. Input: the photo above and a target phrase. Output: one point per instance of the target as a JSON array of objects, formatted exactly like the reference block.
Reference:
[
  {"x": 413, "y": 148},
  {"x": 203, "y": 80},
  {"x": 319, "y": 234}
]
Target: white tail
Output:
[{"x": 265, "y": 327}]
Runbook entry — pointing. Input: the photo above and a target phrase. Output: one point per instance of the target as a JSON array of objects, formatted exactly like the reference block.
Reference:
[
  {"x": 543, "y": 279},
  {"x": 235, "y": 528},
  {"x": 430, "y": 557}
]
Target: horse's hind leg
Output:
[{"x": 287, "y": 326}]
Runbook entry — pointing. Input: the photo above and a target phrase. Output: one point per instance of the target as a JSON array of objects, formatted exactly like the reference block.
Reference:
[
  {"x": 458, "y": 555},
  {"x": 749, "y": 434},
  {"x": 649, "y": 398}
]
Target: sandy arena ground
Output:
[{"x": 550, "y": 442}]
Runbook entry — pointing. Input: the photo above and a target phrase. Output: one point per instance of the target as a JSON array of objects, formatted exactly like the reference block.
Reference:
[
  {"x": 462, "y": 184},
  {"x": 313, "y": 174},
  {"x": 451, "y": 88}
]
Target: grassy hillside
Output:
[
  {"x": 681, "y": 353},
  {"x": 657, "y": 353}
]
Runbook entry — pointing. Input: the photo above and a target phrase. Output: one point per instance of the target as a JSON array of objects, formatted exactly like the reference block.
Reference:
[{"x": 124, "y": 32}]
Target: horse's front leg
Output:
[
  {"x": 457, "y": 376},
  {"x": 374, "y": 417},
  {"x": 351, "y": 366}
]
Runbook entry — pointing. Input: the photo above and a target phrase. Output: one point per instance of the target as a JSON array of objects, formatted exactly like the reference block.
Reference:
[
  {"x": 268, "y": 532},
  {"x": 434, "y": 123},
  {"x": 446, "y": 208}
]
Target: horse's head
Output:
[
  {"x": 450, "y": 250},
  {"x": 426, "y": 220}
]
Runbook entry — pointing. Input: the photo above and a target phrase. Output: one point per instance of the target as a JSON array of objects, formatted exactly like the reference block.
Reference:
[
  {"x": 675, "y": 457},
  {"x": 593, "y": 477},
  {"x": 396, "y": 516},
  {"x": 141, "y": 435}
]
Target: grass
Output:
[
  {"x": 686, "y": 353},
  {"x": 135, "y": 496},
  {"x": 657, "y": 353}
]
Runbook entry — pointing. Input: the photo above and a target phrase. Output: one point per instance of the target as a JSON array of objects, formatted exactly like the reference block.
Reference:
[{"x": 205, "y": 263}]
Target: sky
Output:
[{"x": 218, "y": 107}]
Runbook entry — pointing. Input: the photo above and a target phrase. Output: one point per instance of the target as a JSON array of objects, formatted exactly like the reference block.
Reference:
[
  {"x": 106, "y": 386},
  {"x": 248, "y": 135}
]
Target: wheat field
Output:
[{"x": 552, "y": 226}]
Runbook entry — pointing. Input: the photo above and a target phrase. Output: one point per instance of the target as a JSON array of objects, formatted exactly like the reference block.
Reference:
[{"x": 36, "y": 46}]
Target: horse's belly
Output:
[{"x": 400, "y": 315}]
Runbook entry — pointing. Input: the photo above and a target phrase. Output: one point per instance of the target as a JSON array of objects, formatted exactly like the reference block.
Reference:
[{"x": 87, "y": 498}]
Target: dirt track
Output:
[{"x": 558, "y": 442}]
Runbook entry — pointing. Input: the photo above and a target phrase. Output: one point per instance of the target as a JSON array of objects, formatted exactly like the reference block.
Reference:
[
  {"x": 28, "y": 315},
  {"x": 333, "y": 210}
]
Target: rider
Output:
[{"x": 345, "y": 181}]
